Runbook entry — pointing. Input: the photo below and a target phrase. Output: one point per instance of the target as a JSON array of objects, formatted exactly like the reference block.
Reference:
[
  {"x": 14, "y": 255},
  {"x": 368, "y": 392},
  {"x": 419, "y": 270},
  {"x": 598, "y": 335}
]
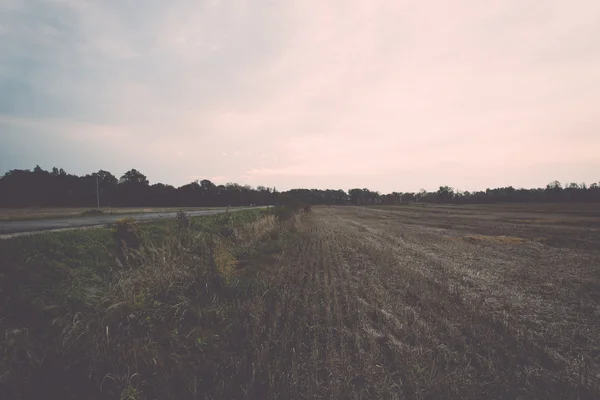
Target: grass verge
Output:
[
  {"x": 133, "y": 311},
  {"x": 8, "y": 215}
]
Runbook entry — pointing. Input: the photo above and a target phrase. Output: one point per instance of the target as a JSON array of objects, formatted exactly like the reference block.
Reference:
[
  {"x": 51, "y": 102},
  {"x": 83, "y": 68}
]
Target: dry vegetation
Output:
[
  {"x": 448, "y": 305},
  {"x": 344, "y": 302},
  {"x": 21, "y": 214}
]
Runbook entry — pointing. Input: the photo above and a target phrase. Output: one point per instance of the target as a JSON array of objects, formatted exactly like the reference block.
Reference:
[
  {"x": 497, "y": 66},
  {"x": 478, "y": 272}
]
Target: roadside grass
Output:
[
  {"x": 86, "y": 313},
  {"x": 51, "y": 265},
  {"x": 30, "y": 214},
  {"x": 92, "y": 212}
]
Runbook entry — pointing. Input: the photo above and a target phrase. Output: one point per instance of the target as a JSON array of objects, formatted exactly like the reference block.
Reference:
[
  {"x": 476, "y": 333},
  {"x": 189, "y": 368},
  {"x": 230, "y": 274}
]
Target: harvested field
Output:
[
  {"x": 405, "y": 302},
  {"x": 439, "y": 302}
]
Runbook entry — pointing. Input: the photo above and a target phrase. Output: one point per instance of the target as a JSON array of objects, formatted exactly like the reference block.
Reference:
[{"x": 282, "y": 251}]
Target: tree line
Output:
[{"x": 57, "y": 188}]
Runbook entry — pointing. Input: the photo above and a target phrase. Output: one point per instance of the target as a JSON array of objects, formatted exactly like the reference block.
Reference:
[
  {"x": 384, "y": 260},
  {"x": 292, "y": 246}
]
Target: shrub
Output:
[
  {"x": 182, "y": 219},
  {"x": 286, "y": 211},
  {"x": 182, "y": 224},
  {"x": 282, "y": 213},
  {"x": 126, "y": 237}
]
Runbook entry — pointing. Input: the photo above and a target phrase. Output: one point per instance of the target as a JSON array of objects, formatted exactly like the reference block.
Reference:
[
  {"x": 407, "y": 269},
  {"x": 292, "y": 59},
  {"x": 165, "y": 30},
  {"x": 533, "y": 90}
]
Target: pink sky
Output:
[{"x": 390, "y": 95}]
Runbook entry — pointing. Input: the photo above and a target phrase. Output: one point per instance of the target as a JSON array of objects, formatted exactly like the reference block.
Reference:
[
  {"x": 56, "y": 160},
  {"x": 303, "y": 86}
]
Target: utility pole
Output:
[{"x": 97, "y": 193}]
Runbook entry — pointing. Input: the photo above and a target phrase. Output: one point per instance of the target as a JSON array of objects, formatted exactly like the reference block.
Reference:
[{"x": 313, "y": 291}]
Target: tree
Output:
[
  {"x": 58, "y": 172},
  {"x": 445, "y": 194},
  {"x": 408, "y": 197},
  {"x": 357, "y": 196},
  {"x": 133, "y": 189},
  {"x": 207, "y": 186},
  {"x": 554, "y": 186},
  {"x": 163, "y": 195},
  {"x": 107, "y": 185},
  {"x": 554, "y": 191},
  {"x": 106, "y": 178},
  {"x": 134, "y": 177},
  {"x": 37, "y": 187}
]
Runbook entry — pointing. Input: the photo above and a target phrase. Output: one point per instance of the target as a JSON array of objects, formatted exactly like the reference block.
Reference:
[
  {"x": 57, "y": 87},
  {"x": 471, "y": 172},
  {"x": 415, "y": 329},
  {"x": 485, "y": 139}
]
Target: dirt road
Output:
[{"x": 437, "y": 303}]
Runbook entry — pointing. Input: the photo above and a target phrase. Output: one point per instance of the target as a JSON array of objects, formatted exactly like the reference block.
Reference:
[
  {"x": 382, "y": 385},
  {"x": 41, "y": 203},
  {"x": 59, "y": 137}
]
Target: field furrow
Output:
[{"x": 397, "y": 310}]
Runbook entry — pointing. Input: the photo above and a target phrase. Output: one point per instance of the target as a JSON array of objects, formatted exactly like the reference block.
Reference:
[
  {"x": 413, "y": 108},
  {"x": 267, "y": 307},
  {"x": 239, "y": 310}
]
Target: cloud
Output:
[{"x": 393, "y": 95}]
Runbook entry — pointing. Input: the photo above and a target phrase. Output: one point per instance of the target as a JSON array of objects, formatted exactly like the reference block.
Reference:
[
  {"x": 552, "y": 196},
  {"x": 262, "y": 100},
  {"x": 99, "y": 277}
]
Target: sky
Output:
[{"x": 390, "y": 95}]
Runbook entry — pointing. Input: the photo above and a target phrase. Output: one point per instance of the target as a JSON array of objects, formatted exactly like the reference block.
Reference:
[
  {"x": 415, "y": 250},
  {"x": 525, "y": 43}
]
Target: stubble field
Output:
[{"x": 442, "y": 302}]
